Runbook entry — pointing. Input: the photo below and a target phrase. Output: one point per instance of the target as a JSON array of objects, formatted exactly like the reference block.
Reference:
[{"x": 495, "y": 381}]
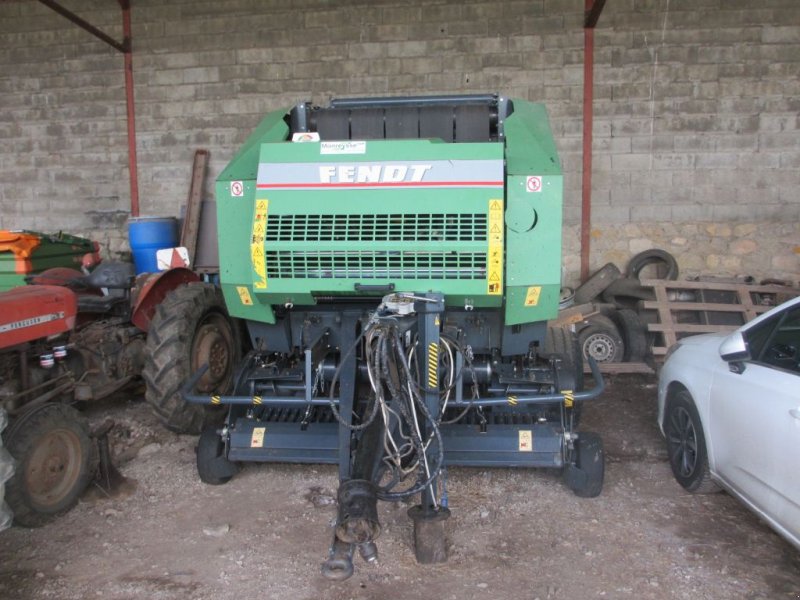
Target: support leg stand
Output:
[
  {"x": 430, "y": 544},
  {"x": 339, "y": 565}
]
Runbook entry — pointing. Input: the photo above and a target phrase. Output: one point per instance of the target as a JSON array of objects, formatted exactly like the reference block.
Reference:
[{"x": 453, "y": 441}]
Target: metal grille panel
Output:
[
  {"x": 420, "y": 228},
  {"x": 379, "y": 264}
]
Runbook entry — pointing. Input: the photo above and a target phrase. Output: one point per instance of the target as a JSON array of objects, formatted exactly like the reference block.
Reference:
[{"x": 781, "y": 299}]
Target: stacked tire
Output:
[{"x": 616, "y": 331}]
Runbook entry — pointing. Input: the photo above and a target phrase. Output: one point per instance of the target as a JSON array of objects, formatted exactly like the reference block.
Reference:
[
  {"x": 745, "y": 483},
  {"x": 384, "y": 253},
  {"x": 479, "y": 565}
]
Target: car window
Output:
[{"x": 777, "y": 342}]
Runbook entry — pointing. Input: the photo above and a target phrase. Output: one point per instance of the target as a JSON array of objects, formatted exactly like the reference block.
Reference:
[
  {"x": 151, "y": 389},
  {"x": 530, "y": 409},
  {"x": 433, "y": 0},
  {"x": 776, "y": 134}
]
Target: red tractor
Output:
[{"x": 68, "y": 338}]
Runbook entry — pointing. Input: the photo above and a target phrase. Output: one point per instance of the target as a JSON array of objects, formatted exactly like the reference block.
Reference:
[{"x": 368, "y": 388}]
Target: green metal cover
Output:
[{"x": 313, "y": 220}]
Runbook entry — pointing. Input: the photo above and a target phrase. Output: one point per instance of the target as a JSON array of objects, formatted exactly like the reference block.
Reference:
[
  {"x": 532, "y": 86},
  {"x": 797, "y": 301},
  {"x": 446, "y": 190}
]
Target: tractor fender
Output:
[{"x": 151, "y": 290}]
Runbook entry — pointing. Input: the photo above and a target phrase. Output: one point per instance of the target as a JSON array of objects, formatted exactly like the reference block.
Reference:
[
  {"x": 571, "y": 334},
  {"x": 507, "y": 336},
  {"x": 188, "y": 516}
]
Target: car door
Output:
[{"x": 754, "y": 420}]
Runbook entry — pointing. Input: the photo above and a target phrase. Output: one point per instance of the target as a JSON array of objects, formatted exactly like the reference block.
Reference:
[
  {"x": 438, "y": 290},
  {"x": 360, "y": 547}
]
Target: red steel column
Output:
[
  {"x": 588, "y": 95},
  {"x": 132, "y": 163}
]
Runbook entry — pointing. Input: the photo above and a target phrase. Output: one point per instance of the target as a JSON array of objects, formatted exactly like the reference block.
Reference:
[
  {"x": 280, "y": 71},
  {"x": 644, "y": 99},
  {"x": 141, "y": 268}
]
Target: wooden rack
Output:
[{"x": 734, "y": 305}]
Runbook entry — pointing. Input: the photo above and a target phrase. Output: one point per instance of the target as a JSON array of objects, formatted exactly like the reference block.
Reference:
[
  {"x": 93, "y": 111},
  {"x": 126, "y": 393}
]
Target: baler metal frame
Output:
[{"x": 295, "y": 436}]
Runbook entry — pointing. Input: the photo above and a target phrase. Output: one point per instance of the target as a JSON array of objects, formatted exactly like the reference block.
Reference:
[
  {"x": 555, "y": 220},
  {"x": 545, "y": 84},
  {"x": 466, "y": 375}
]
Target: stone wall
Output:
[{"x": 696, "y": 145}]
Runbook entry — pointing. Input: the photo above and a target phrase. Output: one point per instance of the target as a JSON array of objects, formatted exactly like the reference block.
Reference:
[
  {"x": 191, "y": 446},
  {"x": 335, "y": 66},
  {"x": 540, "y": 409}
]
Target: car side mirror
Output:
[{"x": 734, "y": 351}]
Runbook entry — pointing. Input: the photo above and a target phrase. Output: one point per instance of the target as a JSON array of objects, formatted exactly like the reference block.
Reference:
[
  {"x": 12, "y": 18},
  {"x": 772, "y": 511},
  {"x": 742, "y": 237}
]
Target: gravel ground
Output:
[{"x": 513, "y": 533}]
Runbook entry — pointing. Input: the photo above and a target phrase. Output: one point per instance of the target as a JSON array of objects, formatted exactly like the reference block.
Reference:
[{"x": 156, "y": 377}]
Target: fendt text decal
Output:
[{"x": 381, "y": 174}]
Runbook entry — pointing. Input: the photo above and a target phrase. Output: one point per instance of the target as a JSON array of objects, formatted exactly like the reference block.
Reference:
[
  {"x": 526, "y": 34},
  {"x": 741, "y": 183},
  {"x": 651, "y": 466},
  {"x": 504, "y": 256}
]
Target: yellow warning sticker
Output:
[
  {"x": 257, "y": 245},
  {"x": 244, "y": 295},
  {"x": 494, "y": 267},
  {"x": 532, "y": 297},
  {"x": 257, "y": 439},
  {"x": 525, "y": 440}
]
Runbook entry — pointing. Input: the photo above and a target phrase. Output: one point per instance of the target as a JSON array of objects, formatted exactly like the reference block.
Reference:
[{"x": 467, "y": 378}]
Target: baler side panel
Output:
[
  {"x": 235, "y": 207},
  {"x": 534, "y": 189}
]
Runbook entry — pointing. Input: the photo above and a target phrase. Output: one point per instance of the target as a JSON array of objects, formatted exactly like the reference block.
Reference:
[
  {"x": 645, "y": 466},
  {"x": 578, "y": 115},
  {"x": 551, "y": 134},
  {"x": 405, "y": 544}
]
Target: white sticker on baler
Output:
[{"x": 344, "y": 147}]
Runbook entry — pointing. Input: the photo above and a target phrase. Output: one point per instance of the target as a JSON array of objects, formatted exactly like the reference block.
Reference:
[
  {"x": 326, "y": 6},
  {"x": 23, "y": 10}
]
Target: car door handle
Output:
[{"x": 795, "y": 412}]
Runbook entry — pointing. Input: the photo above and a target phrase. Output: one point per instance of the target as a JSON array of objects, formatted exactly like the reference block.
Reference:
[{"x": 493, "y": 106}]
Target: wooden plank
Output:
[
  {"x": 702, "y": 306},
  {"x": 619, "y": 368},
  {"x": 703, "y": 285},
  {"x": 690, "y": 328},
  {"x": 191, "y": 221}
]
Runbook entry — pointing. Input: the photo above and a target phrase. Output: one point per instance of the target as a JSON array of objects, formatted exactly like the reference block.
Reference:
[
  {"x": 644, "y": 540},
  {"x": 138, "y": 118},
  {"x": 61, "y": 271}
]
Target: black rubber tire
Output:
[
  {"x": 564, "y": 342},
  {"x": 601, "y": 340},
  {"x": 590, "y": 458},
  {"x": 209, "y": 449},
  {"x": 626, "y": 292},
  {"x": 634, "y": 334},
  {"x": 599, "y": 281},
  {"x": 686, "y": 444},
  {"x": 664, "y": 259},
  {"x": 53, "y": 453},
  {"x": 189, "y": 326},
  {"x": 7, "y": 466}
]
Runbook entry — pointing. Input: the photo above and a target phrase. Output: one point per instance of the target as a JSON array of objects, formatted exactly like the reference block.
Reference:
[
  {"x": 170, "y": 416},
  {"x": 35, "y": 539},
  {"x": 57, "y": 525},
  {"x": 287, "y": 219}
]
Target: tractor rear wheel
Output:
[
  {"x": 191, "y": 328},
  {"x": 53, "y": 454}
]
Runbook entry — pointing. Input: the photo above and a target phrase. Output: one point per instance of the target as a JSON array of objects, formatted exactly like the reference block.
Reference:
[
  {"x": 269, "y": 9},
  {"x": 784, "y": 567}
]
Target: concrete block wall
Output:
[{"x": 696, "y": 106}]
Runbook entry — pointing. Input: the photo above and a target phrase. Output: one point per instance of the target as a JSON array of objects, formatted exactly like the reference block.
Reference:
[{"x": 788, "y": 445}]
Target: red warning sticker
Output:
[{"x": 533, "y": 183}]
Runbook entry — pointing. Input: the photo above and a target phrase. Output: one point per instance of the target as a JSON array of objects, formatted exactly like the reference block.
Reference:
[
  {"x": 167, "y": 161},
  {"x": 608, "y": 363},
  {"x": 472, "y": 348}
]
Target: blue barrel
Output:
[{"x": 147, "y": 235}]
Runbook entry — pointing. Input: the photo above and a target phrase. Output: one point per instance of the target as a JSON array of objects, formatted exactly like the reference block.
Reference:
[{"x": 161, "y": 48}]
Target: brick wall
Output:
[{"x": 696, "y": 126}]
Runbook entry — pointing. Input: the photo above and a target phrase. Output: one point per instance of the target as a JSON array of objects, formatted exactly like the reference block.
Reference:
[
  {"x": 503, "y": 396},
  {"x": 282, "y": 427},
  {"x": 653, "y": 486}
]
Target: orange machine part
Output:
[{"x": 28, "y": 313}]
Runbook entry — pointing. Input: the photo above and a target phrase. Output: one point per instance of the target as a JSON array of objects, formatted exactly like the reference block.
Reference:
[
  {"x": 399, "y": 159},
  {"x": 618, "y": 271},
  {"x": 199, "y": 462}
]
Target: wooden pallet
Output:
[
  {"x": 621, "y": 368},
  {"x": 746, "y": 303}
]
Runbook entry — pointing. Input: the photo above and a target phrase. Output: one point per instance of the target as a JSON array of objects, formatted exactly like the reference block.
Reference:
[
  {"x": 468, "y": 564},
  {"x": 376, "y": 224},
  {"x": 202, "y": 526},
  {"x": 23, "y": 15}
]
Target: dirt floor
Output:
[{"x": 513, "y": 534}]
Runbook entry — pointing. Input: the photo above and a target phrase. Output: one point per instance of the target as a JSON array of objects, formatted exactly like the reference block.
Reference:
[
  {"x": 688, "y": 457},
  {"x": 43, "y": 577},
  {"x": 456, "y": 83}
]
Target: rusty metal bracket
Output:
[
  {"x": 124, "y": 46},
  {"x": 593, "y": 13}
]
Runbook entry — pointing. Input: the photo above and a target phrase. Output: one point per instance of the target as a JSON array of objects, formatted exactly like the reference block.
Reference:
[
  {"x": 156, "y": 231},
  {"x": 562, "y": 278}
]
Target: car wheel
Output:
[
  {"x": 686, "y": 445},
  {"x": 601, "y": 340}
]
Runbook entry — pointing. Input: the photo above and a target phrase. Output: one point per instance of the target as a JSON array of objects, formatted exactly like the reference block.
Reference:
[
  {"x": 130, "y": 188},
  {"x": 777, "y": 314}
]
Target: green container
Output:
[{"x": 24, "y": 253}]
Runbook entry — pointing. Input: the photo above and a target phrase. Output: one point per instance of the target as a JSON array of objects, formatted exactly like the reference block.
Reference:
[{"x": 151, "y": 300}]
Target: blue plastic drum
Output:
[{"x": 147, "y": 235}]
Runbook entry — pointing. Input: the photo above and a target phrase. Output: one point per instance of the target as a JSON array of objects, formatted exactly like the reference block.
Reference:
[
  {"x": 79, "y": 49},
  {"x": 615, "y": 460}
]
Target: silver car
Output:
[{"x": 729, "y": 408}]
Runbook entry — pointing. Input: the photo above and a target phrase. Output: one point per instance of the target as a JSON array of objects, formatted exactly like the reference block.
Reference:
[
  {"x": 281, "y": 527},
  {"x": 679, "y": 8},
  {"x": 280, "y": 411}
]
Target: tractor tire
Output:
[
  {"x": 598, "y": 282},
  {"x": 561, "y": 340},
  {"x": 190, "y": 328},
  {"x": 601, "y": 340},
  {"x": 6, "y": 472},
  {"x": 663, "y": 260},
  {"x": 634, "y": 334},
  {"x": 53, "y": 452},
  {"x": 626, "y": 292},
  {"x": 589, "y": 458}
]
